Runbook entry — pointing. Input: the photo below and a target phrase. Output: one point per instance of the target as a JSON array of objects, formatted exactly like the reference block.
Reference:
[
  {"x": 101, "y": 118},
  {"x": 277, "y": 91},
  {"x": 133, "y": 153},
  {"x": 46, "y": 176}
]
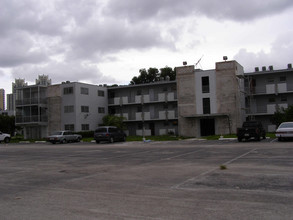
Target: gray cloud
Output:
[
  {"x": 111, "y": 36},
  {"x": 166, "y": 10},
  {"x": 63, "y": 71},
  {"x": 279, "y": 56},
  {"x": 17, "y": 50}
]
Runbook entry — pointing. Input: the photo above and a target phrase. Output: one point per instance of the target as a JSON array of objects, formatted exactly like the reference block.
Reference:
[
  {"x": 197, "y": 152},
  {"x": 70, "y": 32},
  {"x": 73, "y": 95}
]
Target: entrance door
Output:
[
  {"x": 207, "y": 127},
  {"x": 152, "y": 128}
]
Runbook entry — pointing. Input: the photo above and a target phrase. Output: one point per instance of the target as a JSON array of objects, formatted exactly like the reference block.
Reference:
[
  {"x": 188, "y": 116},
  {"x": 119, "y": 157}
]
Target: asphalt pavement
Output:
[{"x": 188, "y": 179}]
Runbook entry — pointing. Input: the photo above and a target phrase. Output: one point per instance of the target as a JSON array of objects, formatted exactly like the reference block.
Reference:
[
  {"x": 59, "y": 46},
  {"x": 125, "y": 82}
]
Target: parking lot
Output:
[{"x": 156, "y": 180}]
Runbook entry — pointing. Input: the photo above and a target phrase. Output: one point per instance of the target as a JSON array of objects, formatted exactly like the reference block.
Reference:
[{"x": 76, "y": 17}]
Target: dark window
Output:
[
  {"x": 205, "y": 84},
  {"x": 68, "y": 90},
  {"x": 139, "y": 108},
  {"x": 84, "y": 109},
  {"x": 283, "y": 98},
  {"x": 68, "y": 109},
  {"x": 165, "y": 89},
  {"x": 272, "y": 100},
  {"x": 282, "y": 78},
  {"x": 138, "y": 92},
  {"x": 206, "y": 105},
  {"x": 139, "y": 126},
  {"x": 84, "y": 91},
  {"x": 85, "y": 127},
  {"x": 101, "y": 110},
  {"x": 111, "y": 94},
  {"x": 101, "y": 93},
  {"x": 271, "y": 80},
  {"x": 165, "y": 106},
  {"x": 69, "y": 127}
]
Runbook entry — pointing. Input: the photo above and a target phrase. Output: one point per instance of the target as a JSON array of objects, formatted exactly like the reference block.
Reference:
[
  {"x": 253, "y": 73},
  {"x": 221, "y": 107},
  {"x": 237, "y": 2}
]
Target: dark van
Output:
[{"x": 109, "y": 133}]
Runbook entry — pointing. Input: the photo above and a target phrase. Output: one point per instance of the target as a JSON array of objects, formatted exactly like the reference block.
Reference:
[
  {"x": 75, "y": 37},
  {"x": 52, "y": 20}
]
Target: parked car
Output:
[
  {"x": 63, "y": 137},
  {"x": 284, "y": 131},
  {"x": 109, "y": 133},
  {"x": 4, "y": 137},
  {"x": 251, "y": 129}
]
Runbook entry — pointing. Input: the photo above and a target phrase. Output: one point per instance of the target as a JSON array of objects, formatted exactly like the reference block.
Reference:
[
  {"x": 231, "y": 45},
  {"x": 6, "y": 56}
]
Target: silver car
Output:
[
  {"x": 64, "y": 137},
  {"x": 285, "y": 131}
]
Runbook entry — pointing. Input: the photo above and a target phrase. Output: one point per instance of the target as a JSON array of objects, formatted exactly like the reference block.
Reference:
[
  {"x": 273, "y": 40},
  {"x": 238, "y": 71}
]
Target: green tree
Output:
[
  {"x": 168, "y": 71},
  {"x": 282, "y": 115},
  {"x": 113, "y": 120},
  {"x": 153, "y": 75},
  {"x": 7, "y": 124}
]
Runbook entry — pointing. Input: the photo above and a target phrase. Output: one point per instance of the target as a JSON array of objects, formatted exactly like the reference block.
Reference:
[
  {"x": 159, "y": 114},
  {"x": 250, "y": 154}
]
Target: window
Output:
[
  {"x": 139, "y": 126},
  {"x": 165, "y": 89},
  {"x": 84, "y": 91},
  {"x": 67, "y": 90},
  {"x": 138, "y": 92},
  {"x": 282, "y": 78},
  {"x": 165, "y": 106},
  {"x": 101, "y": 93},
  {"x": 206, "y": 105},
  {"x": 205, "y": 84},
  {"x": 85, "y": 109},
  {"x": 111, "y": 94},
  {"x": 68, "y": 109},
  {"x": 85, "y": 127},
  {"x": 272, "y": 100},
  {"x": 283, "y": 98},
  {"x": 271, "y": 80},
  {"x": 69, "y": 127},
  {"x": 139, "y": 108},
  {"x": 101, "y": 110}
]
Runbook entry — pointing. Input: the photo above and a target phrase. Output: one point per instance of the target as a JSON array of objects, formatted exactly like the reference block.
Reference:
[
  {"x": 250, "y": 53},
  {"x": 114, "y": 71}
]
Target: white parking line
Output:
[{"x": 178, "y": 186}]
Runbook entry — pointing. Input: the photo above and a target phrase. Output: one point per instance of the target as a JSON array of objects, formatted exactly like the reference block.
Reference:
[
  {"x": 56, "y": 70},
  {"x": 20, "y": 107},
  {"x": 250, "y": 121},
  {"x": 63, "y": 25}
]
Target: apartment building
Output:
[
  {"x": 43, "y": 108},
  {"x": 210, "y": 102},
  {"x": 31, "y": 107},
  {"x": 148, "y": 109},
  {"x": 76, "y": 106},
  {"x": 2, "y": 99},
  {"x": 268, "y": 90}
]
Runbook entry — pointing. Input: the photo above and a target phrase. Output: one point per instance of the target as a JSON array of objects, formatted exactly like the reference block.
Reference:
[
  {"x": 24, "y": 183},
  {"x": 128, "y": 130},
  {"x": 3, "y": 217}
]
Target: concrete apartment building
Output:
[
  {"x": 43, "y": 108},
  {"x": 198, "y": 103},
  {"x": 2, "y": 99},
  {"x": 148, "y": 109},
  {"x": 267, "y": 91},
  {"x": 210, "y": 102},
  {"x": 76, "y": 106}
]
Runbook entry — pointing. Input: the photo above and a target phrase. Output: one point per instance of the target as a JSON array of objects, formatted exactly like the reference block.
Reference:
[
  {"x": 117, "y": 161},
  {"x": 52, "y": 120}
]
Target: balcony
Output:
[
  {"x": 31, "y": 119},
  {"x": 167, "y": 115},
  {"x": 31, "y": 101}
]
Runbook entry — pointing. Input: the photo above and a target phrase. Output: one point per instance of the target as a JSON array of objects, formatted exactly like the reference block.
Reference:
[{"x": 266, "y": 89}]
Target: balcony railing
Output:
[
  {"x": 31, "y": 101},
  {"x": 31, "y": 119}
]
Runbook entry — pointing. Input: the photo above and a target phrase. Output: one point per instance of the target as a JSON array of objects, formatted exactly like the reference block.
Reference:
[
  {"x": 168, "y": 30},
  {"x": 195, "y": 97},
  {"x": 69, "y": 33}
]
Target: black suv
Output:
[{"x": 109, "y": 133}]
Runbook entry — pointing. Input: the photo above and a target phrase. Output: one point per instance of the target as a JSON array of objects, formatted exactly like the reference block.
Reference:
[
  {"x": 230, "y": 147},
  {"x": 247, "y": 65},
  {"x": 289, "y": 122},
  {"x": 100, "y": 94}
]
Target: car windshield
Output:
[
  {"x": 57, "y": 133},
  {"x": 101, "y": 130},
  {"x": 287, "y": 125}
]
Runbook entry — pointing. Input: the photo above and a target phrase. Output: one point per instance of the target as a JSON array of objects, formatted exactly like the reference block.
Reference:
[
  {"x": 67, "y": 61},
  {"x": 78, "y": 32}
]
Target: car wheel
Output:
[
  {"x": 111, "y": 140},
  {"x": 78, "y": 140},
  {"x": 63, "y": 141},
  {"x": 6, "y": 140},
  {"x": 280, "y": 139},
  {"x": 124, "y": 139},
  {"x": 97, "y": 141},
  {"x": 257, "y": 138},
  {"x": 239, "y": 139}
]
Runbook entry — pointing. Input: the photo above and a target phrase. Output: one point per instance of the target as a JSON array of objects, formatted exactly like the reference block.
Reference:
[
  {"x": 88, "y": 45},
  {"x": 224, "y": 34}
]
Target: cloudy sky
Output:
[{"x": 108, "y": 41}]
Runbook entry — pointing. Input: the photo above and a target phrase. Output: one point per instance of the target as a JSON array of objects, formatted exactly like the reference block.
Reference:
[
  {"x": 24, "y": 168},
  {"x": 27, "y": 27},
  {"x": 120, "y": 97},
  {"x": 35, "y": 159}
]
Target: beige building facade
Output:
[{"x": 210, "y": 102}]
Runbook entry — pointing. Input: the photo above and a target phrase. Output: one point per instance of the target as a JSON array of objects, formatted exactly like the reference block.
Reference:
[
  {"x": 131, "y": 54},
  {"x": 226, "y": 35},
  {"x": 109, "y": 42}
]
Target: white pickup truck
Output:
[{"x": 4, "y": 137}]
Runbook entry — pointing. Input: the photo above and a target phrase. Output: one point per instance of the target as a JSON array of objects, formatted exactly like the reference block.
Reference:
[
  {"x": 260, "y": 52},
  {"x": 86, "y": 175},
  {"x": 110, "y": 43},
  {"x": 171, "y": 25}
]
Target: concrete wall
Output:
[
  {"x": 54, "y": 108},
  {"x": 186, "y": 94},
  {"x": 230, "y": 99}
]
